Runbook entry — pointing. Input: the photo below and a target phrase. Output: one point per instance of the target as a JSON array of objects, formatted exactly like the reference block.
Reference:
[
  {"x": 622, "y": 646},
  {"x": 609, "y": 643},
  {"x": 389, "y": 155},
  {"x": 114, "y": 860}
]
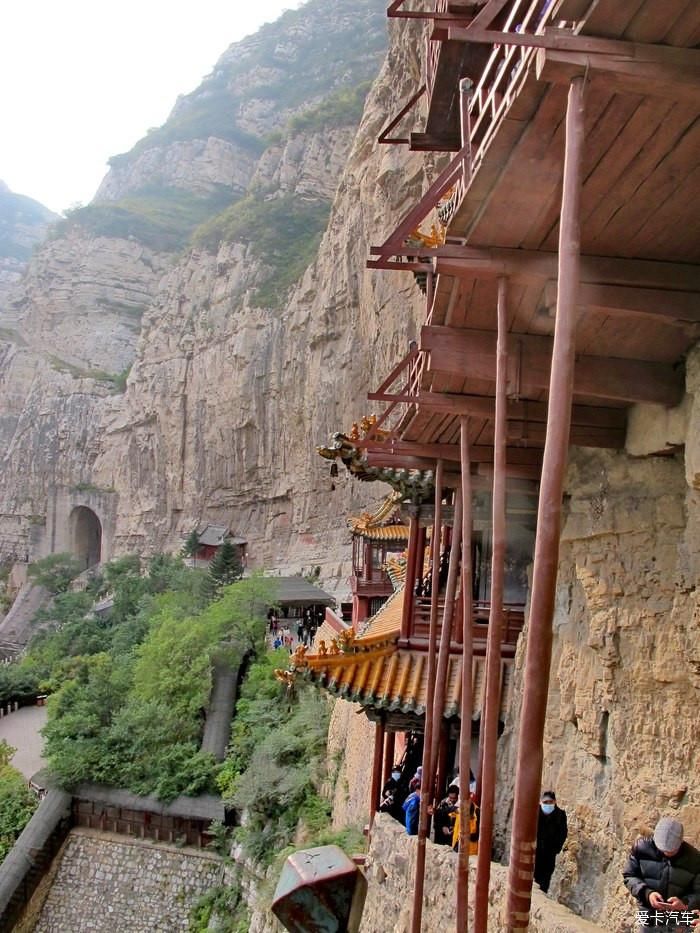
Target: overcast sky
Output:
[{"x": 82, "y": 80}]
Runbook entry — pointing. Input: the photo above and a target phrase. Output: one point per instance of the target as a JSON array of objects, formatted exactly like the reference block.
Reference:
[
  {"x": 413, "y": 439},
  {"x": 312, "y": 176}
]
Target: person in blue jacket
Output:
[{"x": 411, "y": 807}]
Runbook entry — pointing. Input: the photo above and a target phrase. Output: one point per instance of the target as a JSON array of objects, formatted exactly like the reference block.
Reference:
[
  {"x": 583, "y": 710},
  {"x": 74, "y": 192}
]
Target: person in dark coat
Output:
[
  {"x": 444, "y": 817},
  {"x": 663, "y": 873},
  {"x": 390, "y": 799},
  {"x": 552, "y": 831}
]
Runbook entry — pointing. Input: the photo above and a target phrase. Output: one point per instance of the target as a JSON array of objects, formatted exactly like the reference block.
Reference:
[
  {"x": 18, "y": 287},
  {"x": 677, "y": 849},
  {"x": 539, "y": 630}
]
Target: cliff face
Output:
[
  {"x": 620, "y": 737},
  {"x": 23, "y": 224},
  {"x": 191, "y": 385}
]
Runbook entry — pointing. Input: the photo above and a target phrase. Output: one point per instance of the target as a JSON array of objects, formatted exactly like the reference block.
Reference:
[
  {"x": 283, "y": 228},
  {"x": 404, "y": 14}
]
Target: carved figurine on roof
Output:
[{"x": 415, "y": 486}]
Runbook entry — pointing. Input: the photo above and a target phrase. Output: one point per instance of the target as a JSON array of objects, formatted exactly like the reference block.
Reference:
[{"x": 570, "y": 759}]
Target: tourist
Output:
[
  {"x": 411, "y": 808},
  {"x": 552, "y": 831},
  {"x": 474, "y": 816},
  {"x": 663, "y": 873},
  {"x": 444, "y": 816},
  {"x": 389, "y": 799}
]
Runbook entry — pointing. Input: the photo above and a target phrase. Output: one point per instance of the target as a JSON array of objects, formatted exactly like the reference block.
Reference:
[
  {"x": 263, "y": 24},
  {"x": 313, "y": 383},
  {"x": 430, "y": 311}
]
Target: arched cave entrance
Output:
[{"x": 86, "y": 536}]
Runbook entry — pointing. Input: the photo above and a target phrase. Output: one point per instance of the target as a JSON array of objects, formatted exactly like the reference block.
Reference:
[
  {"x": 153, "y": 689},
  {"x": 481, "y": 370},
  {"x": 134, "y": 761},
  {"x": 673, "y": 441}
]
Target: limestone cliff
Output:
[
  {"x": 23, "y": 224},
  {"x": 171, "y": 385}
]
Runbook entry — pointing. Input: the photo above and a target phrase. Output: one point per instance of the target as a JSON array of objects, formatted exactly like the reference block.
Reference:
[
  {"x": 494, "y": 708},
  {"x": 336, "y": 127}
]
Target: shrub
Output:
[
  {"x": 17, "y": 803},
  {"x": 283, "y": 233},
  {"x": 55, "y": 572}
]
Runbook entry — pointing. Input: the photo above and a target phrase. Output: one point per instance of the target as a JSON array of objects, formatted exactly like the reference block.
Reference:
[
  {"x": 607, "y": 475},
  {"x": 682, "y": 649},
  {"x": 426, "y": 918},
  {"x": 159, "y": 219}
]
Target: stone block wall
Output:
[
  {"x": 104, "y": 884},
  {"x": 390, "y": 873},
  {"x": 350, "y": 755}
]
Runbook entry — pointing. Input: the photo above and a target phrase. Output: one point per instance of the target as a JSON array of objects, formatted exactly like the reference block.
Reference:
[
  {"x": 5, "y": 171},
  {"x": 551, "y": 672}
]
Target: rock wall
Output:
[
  {"x": 224, "y": 400},
  {"x": 104, "y": 883},
  {"x": 390, "y": 871},
  {"x": 350, "y": 745},
  {"x": 621, "y": 739}
]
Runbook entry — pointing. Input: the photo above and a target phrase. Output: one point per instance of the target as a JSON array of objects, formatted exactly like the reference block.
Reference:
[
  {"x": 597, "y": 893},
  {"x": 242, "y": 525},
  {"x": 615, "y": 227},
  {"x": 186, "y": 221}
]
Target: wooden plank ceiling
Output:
[{"x": 641, "y": 188}]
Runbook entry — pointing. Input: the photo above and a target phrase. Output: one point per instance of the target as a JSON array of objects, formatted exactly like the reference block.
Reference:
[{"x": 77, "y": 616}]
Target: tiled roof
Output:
[
  {"x": 395, "y": 679},
  {"x": 375, "y": 525},
  {"x": 386, "y": 533},
  {"x": 384, "y": 624},
  {"x": 372, "y": 670}
]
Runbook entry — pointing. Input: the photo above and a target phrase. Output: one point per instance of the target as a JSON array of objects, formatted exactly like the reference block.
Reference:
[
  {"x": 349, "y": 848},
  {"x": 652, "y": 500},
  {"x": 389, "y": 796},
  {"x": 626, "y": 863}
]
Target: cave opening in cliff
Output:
[{"x": 86, "y": 536}]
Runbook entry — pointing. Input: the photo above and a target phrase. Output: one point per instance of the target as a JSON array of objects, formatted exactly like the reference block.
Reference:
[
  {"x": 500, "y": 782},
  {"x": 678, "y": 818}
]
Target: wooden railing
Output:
[
  {"x": 513, "y": 620},
  {"x": 494, "y": 91}
]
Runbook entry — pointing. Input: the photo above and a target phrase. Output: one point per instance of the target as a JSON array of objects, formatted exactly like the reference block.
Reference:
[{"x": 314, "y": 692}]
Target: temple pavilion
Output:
[{"x": 559, "y": 256}]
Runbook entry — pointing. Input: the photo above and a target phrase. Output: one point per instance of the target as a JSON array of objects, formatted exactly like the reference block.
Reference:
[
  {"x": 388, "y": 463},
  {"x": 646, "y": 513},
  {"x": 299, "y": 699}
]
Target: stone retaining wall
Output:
[
  {"x": 104, "y": 884},
  {"x": 390, "y": 872}
]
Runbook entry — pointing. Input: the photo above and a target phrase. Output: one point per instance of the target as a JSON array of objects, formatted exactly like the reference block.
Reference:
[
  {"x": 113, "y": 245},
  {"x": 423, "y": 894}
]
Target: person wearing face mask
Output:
[
  {"x": 552, "y": 831},
  {"x": 389, "y": 802},
  {"x": 663, "y": 873}
]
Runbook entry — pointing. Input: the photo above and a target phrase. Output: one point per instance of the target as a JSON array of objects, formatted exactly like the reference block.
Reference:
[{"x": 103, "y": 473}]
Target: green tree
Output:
[
  {"x": 17, "y": 804},
  {"x": 55, "y": 572},
  {"x": 131, "y": 715},
  {"x": 225, "y": 566},
  {"x": 191, "y": 545},
  {"x": 282, "y": 737}
]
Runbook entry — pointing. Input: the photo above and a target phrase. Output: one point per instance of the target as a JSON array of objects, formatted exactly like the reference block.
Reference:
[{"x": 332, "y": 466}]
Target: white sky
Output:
[{"x": 82, "y": 80}]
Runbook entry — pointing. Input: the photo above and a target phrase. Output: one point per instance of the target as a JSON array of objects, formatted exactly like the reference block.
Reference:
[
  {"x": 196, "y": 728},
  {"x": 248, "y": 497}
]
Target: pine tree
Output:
[
  {"x": 191, "y": 545},
  {"x": 225, "y": 566}
]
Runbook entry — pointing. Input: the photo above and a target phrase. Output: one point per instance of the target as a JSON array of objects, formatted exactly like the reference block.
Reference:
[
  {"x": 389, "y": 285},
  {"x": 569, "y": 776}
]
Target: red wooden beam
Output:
[
  {"x": 492, "y": 692},
  {"x": 563, "y": 40},
  {"x": 472, "y": 353},
  {"x": 384, "y": 135},
  {"x": 680, "y": 307},
  {"x": 678, "y": 84},
  {"x": 428, "y": 776},
  {"x": 484, "y": 407},
  {"x": 465, "y": 738},
  {"x": 522, "y": 265}
]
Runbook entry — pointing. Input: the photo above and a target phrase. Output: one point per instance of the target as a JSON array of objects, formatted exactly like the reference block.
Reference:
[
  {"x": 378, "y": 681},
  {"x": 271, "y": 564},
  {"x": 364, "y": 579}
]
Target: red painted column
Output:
[
  {"x": 427, "y": 783},
  {"x": 538, "y": 657},
  {"x": 376, "y": 786},
  {"x": 389, "y": 744},
  {"x": 492, "y": 698},
  {"x": 446, "y": 632},
  {"x": 410, "y": 583},
  {"x": 465, "y": 735}
]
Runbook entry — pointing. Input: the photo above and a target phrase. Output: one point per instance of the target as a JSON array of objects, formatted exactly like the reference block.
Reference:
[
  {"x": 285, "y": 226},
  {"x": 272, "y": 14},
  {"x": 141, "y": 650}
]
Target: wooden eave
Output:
[{"x": 394, "y": 680}]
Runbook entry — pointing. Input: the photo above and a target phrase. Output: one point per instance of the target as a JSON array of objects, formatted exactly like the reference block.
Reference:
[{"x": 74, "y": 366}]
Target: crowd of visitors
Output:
[
  {"x": 662, "y": 872},
  {"x": 287, "y": 631}
]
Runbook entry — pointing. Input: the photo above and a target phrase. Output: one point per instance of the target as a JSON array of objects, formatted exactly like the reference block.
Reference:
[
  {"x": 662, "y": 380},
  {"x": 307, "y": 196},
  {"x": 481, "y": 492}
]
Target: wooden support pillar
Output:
[
  {"x": 376, "y": 786},
  {"x": 465, "y": 732},
  {"x": 441, "y": 769},
  {"x": 492, "y": 692},
  {"x": 446, "y": 631},
  {"x": 538, "y": 657},
  {"x": 410, "y": 585},
  {"x": 427, "y": 775},
  {"x": 389, "y": 744}
]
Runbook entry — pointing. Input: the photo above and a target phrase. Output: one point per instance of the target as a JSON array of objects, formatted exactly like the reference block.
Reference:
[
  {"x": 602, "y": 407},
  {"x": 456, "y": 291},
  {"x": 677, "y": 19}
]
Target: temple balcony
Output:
[{"x": 513, "y": 621}]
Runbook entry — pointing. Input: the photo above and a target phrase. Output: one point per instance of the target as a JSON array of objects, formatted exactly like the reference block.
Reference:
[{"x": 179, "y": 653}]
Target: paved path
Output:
[{"x": 21, "y": 729}]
